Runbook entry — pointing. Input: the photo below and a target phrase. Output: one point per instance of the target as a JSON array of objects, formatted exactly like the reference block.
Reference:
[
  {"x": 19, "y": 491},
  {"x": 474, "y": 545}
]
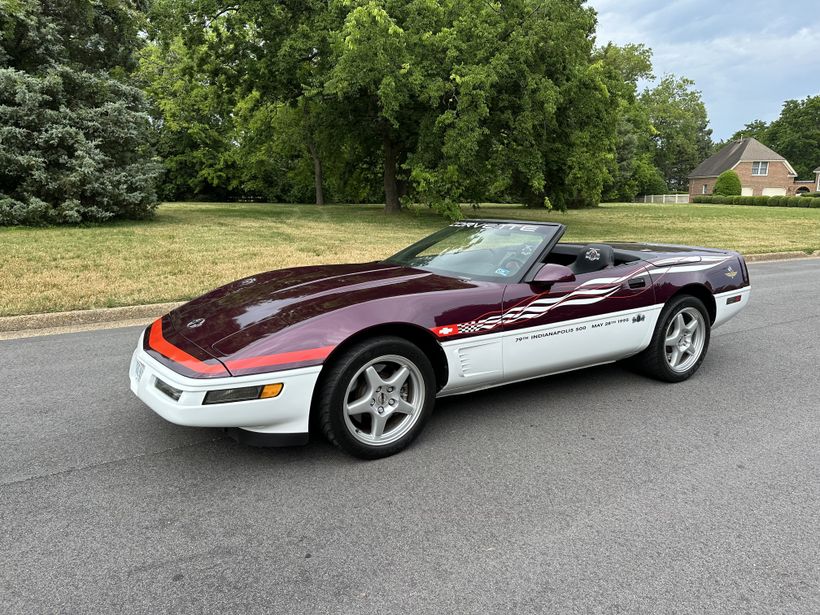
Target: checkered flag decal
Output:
[{"x": 470, "y": 327}]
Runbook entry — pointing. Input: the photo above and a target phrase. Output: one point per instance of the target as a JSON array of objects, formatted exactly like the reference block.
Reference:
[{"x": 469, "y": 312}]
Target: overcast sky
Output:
[{"x": 746, "y": 57}]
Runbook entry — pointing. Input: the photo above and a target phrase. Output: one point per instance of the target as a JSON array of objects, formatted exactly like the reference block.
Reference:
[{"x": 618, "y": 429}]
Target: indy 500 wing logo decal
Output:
[{"x": 591, "y": 291}]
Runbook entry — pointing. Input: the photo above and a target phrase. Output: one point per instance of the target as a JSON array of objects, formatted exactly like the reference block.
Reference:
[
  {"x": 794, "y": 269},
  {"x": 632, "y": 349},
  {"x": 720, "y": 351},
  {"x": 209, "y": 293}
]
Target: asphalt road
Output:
[{"x": 594, "y": 492}]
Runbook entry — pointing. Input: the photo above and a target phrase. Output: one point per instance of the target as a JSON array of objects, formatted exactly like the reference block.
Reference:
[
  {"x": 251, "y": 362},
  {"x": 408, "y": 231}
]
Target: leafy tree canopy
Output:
[
  {"x": 756, "y": 129},
  {"x": 632, "y": 170},
  {"x": 682, "y": 137},
  {"x": 794, "y": 135}
]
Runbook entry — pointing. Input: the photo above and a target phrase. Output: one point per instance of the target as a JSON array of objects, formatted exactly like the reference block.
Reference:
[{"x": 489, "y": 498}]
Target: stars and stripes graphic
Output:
[{"x": 587, "y": 293}]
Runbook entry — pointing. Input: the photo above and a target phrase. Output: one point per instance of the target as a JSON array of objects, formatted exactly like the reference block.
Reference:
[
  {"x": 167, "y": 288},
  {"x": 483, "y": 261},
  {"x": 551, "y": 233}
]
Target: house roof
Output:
[{"x": 748, "y": 149}]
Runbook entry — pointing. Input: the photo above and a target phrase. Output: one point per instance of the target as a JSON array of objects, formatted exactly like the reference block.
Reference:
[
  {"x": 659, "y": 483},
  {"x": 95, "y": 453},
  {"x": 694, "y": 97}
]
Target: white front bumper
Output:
[{"x": 287, "y": 413}]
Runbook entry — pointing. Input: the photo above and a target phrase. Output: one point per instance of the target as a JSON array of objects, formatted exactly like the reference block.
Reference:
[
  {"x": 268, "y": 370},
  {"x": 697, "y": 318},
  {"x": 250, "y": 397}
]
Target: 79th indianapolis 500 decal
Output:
[{"x": 581, "y": 328}]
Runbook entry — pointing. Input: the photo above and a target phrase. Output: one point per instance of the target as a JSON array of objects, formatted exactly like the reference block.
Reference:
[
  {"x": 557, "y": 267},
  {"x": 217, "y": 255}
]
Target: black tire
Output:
[
  {"x": 653, "y": 361},
  {"x": 331, "y": 399}
]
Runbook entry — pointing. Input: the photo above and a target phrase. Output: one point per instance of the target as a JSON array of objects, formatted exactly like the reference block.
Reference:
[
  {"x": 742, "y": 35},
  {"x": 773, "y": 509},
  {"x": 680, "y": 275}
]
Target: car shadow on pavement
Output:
[{"x": 509, "y": 404}]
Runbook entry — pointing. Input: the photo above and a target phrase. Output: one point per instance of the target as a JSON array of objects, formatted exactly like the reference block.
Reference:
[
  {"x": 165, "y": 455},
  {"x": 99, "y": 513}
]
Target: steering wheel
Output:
[{"x": 512, "y": 265}]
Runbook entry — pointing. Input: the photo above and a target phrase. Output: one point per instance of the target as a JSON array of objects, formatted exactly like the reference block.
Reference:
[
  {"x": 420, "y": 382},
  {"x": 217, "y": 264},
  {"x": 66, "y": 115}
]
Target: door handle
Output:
[{"x": 637, "y": 282}]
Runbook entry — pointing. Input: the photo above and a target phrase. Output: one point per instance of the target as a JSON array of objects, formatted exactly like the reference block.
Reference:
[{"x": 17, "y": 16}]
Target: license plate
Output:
[{"x": 138, "y": 371}]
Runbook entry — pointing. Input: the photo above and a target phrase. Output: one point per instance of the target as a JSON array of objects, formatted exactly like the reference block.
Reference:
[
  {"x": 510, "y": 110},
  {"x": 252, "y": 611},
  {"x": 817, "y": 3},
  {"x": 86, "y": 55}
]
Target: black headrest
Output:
[{"x": 594, "y": 256}]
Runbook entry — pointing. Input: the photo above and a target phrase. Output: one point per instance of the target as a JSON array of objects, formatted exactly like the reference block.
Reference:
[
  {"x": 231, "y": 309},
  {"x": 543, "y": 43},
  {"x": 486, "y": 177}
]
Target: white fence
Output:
[{"x": 663, "y": 198}]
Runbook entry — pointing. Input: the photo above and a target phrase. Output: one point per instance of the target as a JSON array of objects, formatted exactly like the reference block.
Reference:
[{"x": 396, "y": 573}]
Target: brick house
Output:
[{"x": 762, "y": 171}]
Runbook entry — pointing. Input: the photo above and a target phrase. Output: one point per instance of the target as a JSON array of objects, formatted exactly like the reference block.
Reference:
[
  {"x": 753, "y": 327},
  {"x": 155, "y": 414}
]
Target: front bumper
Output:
[{"x": 288, "y": 413}]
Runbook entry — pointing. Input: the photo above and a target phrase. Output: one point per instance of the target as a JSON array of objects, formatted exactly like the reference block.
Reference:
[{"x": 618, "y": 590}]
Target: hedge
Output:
[{"x": 763, "y": 201}]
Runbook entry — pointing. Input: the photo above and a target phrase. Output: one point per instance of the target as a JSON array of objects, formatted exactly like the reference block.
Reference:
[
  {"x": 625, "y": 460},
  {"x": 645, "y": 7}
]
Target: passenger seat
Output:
[{"x": 593, "y": 257}]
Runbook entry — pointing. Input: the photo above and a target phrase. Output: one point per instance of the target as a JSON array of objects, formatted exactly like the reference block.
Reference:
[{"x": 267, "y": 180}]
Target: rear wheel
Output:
[
  {"x": 376, "y": 397},
  {"x": 679, "y": 343}
]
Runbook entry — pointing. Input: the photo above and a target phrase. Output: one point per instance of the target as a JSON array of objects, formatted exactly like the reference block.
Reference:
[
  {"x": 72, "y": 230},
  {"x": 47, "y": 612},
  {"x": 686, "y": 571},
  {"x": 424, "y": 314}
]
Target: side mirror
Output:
[{"x": 552, "y": 273}]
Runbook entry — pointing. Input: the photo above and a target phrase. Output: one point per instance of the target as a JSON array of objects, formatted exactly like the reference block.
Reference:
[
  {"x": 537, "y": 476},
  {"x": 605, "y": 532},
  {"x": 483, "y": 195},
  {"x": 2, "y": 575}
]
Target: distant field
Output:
[{"x": 192, "y": 247}]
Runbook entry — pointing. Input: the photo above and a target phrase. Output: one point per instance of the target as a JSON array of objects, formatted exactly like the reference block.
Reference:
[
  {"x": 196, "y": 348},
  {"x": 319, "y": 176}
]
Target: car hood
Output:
[{"x": 277, "y": 299}]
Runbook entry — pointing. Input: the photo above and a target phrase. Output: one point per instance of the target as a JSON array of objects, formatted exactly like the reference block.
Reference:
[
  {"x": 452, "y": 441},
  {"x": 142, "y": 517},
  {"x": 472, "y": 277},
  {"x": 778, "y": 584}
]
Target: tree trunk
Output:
[
  {"x": 391, "y": 187},
  {"x": 534, "y": 199},
  {"x": 318, "y": 174}
]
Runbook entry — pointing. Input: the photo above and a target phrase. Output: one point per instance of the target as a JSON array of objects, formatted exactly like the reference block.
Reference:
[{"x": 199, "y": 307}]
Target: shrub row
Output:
[{"x": 764, "y": 201}]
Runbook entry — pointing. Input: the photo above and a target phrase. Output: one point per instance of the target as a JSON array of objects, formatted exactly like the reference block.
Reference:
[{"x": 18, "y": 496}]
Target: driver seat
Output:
[{"x": 593, "y": 257}]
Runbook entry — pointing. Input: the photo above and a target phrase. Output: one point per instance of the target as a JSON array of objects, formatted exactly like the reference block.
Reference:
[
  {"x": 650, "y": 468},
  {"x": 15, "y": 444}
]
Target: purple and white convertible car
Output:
[{"x": 361, "y": 352}]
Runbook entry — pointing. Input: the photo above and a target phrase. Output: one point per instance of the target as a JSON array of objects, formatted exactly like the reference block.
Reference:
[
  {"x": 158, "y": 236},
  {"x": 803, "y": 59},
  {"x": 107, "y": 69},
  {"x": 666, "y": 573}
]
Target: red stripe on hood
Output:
[
  {"x": 297, "y": 356},
  {"x": 168, "y": 350}
]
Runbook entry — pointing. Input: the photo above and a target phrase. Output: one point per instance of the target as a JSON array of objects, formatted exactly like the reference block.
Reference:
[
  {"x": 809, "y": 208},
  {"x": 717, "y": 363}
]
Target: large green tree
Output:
[
  {"x": 632, "y": 171},
  {"x": 758, "y": 129},
  {"x": 194, "y": 122},
  {"x": 73, "y": 131},
  {"x": 481, "y": 100},
  {"x": 795, "y": 134},
  {"x": 682, "y": 136},
  {"x": 523, "y": 110}
]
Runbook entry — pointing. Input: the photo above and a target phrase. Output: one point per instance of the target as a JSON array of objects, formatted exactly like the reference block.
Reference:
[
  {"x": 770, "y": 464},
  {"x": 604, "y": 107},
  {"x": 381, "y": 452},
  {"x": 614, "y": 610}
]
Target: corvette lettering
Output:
[{"x": 527, "y": 228}]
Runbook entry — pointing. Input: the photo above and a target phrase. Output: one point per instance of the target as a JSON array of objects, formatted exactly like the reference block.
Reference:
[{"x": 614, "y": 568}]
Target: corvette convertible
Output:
[{"x": 361, "y": 352}]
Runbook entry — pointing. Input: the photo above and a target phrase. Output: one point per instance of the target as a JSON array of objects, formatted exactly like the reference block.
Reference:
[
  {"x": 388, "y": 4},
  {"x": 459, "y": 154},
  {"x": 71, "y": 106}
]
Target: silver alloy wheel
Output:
[
  {"x": 384, "y": 400},
  {"x": 685, "y": 337}
]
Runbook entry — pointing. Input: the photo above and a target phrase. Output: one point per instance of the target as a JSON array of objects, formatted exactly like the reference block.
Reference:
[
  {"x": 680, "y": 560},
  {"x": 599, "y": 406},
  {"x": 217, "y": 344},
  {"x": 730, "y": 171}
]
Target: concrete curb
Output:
[
  {"x": 779, "y": 256},
  {"x": 107, "y": 318},
  {"x": 82, "y": 318}
]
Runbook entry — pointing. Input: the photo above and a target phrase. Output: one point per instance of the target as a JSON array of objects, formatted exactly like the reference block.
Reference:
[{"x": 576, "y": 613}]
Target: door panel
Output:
[{"x": 600, "y": 316}]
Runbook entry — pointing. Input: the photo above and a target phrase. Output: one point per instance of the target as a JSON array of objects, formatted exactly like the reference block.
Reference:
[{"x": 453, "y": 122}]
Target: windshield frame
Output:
[{"x": 526, "y": 269}]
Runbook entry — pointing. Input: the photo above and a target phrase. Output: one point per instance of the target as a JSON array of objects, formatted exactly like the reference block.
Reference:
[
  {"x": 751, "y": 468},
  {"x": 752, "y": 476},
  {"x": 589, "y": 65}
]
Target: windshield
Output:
[{"x": 491, "y": 251}]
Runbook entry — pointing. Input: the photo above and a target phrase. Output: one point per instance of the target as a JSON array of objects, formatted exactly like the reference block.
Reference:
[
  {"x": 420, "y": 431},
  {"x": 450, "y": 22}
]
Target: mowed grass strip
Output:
[{"x": 190, "y": 248}]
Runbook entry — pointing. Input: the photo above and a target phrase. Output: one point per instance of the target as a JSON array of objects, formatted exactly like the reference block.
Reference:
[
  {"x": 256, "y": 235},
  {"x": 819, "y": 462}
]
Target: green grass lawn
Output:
[{"x": 192, "y": 247}]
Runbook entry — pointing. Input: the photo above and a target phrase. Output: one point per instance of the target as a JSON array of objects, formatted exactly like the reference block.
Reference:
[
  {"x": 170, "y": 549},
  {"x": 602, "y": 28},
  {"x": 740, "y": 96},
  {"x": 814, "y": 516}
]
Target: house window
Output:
[
  {"x": 705, "y": 188},
  {"x": 760, "y": 168}
]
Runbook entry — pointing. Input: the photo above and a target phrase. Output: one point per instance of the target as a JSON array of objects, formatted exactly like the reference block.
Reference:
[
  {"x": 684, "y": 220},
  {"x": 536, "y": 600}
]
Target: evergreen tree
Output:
[{"x": 73, "y": 130}]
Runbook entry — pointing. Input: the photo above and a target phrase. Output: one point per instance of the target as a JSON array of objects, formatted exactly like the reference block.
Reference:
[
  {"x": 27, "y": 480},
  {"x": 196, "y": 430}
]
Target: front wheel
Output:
[
  {"x": 679, "y": 343},
  {"x": 376, "y": 397}
]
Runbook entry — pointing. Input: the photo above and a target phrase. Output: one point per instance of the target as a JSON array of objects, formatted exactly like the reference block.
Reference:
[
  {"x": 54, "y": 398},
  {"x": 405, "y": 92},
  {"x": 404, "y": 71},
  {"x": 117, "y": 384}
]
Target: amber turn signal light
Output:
[
  {"x": 223, "y": 396},
  {"x": 271, "y": 390}
]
